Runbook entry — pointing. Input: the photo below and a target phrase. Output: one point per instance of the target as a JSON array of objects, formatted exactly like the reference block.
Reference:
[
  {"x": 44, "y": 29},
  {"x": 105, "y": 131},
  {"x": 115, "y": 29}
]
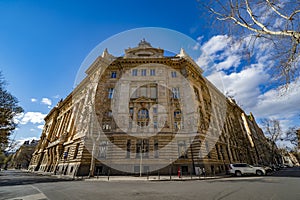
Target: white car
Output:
[{"x": 239, "y": 169}]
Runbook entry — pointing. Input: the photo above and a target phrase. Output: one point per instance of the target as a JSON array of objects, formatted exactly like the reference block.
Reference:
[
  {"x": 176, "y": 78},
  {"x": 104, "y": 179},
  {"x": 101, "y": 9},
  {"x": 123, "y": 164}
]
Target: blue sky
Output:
[{"x": 43, "y": 44}]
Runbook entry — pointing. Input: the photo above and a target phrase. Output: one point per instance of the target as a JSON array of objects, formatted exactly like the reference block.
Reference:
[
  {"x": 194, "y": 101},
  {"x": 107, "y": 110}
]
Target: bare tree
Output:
[
  {"x": 291, "y": 136},
  {"x": 273, "y": 132},
  {"x": 272, "y": 20}
]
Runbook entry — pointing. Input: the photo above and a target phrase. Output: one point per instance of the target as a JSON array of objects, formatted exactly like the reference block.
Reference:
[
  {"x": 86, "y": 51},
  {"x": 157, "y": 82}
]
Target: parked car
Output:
[
  {"x": 268, "y": 169},
  {"x": 239, "y": 169}
]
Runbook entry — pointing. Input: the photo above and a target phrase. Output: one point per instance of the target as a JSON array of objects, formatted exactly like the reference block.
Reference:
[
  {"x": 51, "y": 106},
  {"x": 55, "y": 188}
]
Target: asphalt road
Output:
[{"x": 284, "y": 184}]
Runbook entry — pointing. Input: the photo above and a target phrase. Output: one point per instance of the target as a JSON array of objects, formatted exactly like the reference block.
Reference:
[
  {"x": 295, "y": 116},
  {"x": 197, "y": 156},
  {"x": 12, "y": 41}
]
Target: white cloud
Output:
[
  {"x": 197, "y": 46},
  {"x": 279, "y": 105},
  {"x": 46, "y": 101},
  {"x": 22, "y": 140},
  {"x": 244, "y": 85},
  {"x": 230, "y": 61},
  {"x": 216, "y": 44},
  {"x": 18, "y": 118},
  {"x": 32, "y": 117},
  {"x": 40, "y": 127},
  {"x": 247, "y": 78},
  {"x": 33, "y": 100}
]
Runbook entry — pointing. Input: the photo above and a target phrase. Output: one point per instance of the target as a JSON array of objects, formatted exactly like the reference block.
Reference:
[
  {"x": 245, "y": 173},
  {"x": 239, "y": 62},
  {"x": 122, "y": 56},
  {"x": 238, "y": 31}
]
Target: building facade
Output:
[
  {"x": 22, "y": 157},
  {"x": 146, "y": 112}
]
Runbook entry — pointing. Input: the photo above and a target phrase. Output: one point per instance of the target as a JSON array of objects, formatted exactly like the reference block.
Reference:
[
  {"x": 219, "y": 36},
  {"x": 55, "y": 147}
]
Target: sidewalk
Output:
[
  {"x": 153, "y": 178},
  {"x": 133, "y": 178}
]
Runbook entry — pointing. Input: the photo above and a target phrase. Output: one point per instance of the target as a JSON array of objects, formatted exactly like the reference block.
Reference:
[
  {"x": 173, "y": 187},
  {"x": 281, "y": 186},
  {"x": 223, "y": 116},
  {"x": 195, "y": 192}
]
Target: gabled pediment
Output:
[
  {"x": 142, "y": 99},
  {"x": 144, "y": 50}
]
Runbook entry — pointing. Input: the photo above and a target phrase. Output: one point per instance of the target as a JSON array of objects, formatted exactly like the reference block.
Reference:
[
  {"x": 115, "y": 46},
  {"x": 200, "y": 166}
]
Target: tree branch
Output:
[{"x": 276, "y": 11}]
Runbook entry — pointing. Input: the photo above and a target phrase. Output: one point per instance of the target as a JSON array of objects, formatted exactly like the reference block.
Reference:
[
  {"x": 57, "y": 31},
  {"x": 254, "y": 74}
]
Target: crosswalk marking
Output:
[{"x": 39, "y": 196}]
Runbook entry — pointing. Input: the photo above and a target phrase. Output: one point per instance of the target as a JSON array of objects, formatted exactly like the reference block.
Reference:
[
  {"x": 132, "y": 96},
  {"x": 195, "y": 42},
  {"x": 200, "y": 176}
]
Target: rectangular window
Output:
[
  {"x": 175, "y": 93},
  {"x": 182, "y": 150},
  {"x": 143, "y": 72},
  {"x": 173, "y": 74},
  {"x": 155, "y": 124},
  {"x": 153, "y": 92},
  {"x": 156, "y": 153},
  {"x": 131, "y": 111},
  {"x": 143, "y": 91},
  {"x": 152, "y": 72},
  {"x": 110, "y": 93},
  {"x": 133, "y": 92},
  {"x": 145, "y": 148},
  {"x": 128, "y": 149},
  {"x": 76, "y": 150},
  {"x": 177, "y": 125},
  {"x": 102, "y": 149},
  {"x": 138, "y": 148},
  {"x": 207, "y": 149},
  {"x": 134, "y": 72},
  {"x": 154, "y": 110},
  {"x": 113, "y": 75},
  {"x": 142, "y": 147},
  {"x": 130, "y": 124}
]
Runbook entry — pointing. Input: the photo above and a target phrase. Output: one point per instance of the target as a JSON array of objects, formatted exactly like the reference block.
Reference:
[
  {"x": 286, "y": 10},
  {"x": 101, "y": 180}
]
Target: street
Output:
[{"x": 284, "y": 184}]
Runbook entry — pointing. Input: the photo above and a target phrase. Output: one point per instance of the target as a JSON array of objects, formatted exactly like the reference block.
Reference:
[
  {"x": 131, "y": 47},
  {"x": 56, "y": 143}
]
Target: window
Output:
[
  {"x": 134, "y": 92},
  {"x": 155, "y": 124},
  {"x": 143, "y": 114},
  {"x": 152, "y": 72},
  {"x": 177, "y": 114},
  {"x": 134, "y": 72},
  {"x": 143, "y": 72},
  {"x": 128, "y": 149},
  {"x": 131, "y": 112},
  {"x": 196, "y": 94},
  {"x": 177, "y": 125},
  {"x": 130, "y": 124},
  {"x": 102, "y": 149},
  {"x": 207, "y": 149},
  {"x": 156, "y": 153},
  {"x": 182, "y": 151},
  {"x": 153, "y": 92},
  {"x": 154, "y": 110},
  {"x": 142, "y": 147},
  {"x": 76, "y": 150},
  {"x": 143, "y": 91},
  {"x": 175, "y": 93},
  {"x": 113, "y": 75},
  {"x": 173, "y": 74},
  {"x": 110, "y": 93},
  {"x": 218, "y": 152}
]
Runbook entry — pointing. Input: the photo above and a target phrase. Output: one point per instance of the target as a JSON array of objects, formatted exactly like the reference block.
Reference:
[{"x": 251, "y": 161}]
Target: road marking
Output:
[
  {"x": 238, "y": 178},
  {"x": 38, "y": 196}
]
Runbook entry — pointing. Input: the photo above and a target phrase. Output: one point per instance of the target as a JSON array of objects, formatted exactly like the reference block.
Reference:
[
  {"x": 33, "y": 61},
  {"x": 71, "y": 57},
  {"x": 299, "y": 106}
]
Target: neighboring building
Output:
[
  {"x": 298, "y": 136},
  {"x": 23, "y": 155},
  {"x": 136, "y": 114}
]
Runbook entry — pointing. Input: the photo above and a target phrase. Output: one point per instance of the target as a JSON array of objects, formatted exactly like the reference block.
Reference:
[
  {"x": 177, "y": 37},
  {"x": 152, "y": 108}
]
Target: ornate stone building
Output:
[
  {"x": 147, "y": 113},
  {"x": 23, "y": 155}
]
